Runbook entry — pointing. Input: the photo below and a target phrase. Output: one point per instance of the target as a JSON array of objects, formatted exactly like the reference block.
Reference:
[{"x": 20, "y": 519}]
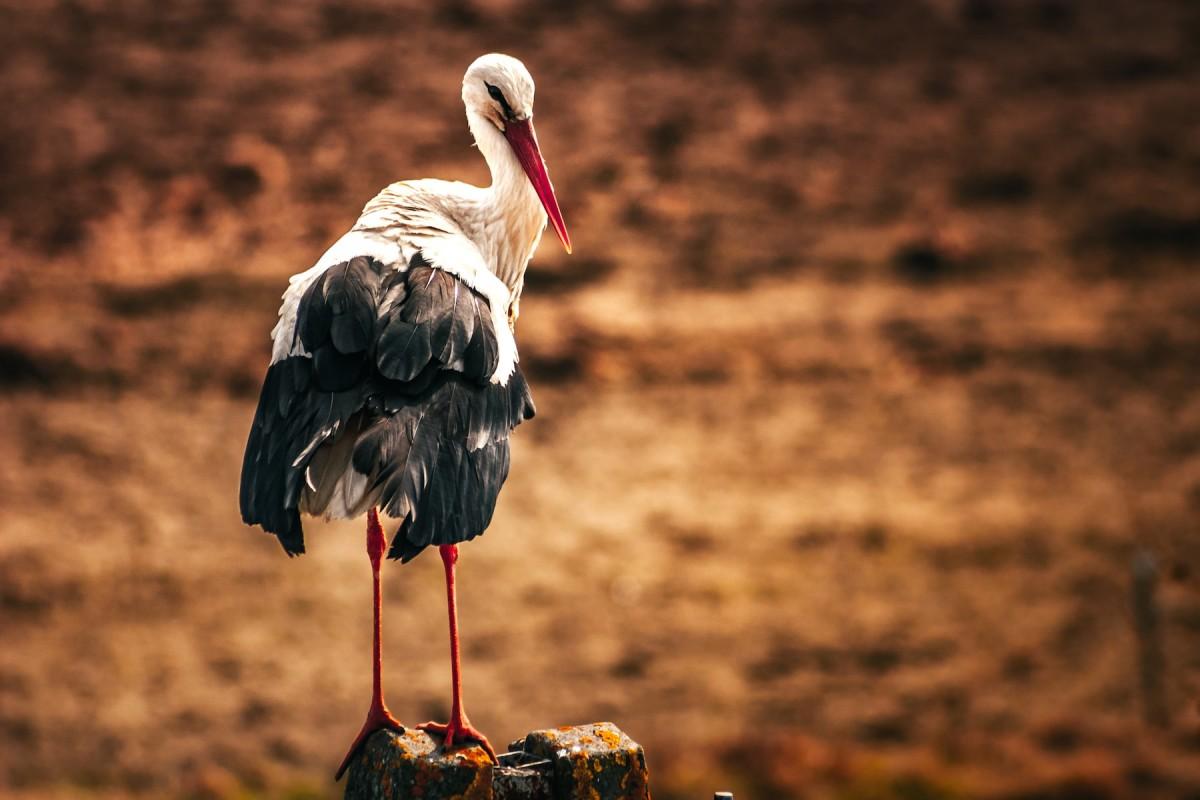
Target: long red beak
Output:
[{"x": 523, "y": 141}]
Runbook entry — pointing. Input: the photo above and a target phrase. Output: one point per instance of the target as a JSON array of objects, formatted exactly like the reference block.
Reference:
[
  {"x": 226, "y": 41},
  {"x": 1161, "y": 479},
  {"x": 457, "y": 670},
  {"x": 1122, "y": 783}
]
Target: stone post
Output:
[{"x": 584, "y": 762}]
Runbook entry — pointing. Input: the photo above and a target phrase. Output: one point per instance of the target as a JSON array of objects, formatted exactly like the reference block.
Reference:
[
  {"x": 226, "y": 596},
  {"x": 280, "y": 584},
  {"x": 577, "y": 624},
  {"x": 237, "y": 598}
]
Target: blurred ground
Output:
[{"x": 876, "y": 365}]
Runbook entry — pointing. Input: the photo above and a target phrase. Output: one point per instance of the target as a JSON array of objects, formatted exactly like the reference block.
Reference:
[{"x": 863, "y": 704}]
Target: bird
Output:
[{"x": 394, "y": 382}]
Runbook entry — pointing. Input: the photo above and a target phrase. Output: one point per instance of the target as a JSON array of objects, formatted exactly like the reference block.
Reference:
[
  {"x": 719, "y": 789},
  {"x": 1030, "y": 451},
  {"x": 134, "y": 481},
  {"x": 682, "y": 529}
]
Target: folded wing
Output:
[{"x": 384, "y": 399}]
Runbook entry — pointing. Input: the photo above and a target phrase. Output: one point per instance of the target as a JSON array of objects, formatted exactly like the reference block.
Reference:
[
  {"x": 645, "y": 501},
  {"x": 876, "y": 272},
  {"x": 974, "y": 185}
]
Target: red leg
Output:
[
  {"x": 459, "y": 728},
  {"x": 378, "y": 715}
]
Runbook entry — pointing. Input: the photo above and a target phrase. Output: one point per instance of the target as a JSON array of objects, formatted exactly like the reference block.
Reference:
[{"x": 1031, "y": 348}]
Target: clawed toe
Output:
[
  {"x": 377, "y": 719},
  {"x": 463, "y": 732}
]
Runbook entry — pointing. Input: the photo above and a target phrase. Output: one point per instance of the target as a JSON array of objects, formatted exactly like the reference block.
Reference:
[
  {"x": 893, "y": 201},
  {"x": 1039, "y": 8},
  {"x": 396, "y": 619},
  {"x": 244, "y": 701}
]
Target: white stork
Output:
[{"x": 393, "y": 382}]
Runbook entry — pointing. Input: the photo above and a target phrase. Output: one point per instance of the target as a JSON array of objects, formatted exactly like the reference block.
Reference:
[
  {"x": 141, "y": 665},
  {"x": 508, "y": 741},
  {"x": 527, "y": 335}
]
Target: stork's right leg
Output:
[
  {"x": 378, "y": 716},
  {"x": 459, "y": 728}
]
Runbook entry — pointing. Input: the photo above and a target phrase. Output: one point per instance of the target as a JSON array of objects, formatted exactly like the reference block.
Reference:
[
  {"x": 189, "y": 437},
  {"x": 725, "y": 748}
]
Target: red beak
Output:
[{"x": 523, "y": 141}]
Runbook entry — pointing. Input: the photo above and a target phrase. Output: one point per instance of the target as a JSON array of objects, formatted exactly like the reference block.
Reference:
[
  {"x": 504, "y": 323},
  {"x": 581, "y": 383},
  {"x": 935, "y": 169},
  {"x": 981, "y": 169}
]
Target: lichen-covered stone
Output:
[
  {"x": 591, "y": 762},
  {"x": 411, "y": 765},
  {"x": 587, "y": 762}
]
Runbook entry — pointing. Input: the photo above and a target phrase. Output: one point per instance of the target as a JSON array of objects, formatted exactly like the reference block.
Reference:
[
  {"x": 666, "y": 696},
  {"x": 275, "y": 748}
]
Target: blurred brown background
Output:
[{"x": 873, "y": 374}]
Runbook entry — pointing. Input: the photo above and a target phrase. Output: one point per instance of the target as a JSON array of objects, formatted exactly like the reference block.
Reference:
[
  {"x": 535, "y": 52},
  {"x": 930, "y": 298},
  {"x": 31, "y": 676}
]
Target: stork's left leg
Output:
[{"x": 459, "y": 728}]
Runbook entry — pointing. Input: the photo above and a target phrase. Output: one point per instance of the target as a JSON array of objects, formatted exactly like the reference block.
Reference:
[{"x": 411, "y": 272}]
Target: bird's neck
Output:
[{"x": 512, "y": 217}]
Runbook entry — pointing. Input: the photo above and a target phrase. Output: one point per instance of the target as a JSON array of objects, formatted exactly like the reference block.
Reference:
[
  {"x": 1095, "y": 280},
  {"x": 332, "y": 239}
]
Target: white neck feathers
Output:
[{"x": 511, "y": 216}]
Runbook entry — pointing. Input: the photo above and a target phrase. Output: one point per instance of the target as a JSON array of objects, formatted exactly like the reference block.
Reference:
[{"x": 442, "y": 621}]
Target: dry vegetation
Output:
[{"x": 875, "y": 367}]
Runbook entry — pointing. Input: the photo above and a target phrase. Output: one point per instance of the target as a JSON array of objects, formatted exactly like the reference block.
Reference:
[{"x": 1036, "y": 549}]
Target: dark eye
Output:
[{"x": 498, "y": 96}]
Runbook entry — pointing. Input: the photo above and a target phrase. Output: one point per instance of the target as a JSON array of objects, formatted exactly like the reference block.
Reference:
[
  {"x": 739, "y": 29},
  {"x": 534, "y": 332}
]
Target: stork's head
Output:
[{"x": 499, "y": 90}]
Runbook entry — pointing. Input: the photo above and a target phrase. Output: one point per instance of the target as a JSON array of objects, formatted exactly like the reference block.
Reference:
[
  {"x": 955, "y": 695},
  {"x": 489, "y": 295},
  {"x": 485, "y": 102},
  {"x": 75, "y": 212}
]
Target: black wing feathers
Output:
[
  {"x": 336, "y": 322},
  {"x": 408, "y": 356}
]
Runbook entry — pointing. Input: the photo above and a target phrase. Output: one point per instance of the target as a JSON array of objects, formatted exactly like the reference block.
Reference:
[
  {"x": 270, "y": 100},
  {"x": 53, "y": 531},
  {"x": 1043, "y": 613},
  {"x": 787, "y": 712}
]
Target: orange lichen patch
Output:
[
  {"x": 473, "y": 755},
  {"x": 609, "y": 737},
  {"x": 477, "y": 760}
]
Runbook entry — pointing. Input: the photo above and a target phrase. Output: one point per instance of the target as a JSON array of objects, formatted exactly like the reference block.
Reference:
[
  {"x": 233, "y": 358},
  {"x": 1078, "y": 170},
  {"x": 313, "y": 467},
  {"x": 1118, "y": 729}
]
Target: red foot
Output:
[
  {"x": 378, "y": 717},
  {"x": 458, "y": 732}
]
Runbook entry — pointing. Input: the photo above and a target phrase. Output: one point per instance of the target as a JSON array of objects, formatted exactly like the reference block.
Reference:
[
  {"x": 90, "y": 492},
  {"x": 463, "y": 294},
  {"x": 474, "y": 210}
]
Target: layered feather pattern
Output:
[{"x": 388, "y": 403}]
